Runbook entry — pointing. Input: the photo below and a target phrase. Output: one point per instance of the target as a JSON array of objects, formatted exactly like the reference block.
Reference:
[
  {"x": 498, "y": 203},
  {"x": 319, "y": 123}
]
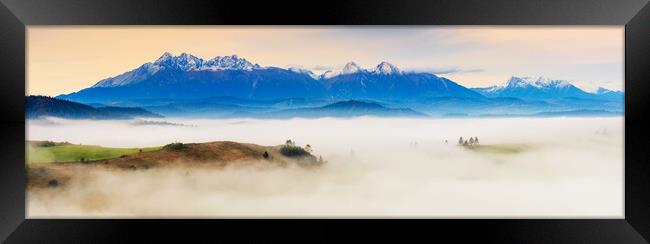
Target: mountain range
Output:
[
  {"x": 544, "y": 88},
  {"x": 186, "y": 85},
  {"x": 350, "y": 108},
  {"x": 186, "y": 76}
]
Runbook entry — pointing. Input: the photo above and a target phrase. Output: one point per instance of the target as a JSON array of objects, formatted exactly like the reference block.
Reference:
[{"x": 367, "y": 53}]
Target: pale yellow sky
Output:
[{"x": 64, "y": 59}]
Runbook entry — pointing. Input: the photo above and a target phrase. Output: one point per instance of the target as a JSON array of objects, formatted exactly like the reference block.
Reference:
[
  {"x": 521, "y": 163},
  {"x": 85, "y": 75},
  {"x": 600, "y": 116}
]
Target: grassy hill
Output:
[
  {"x": 218, "y": 154},
  {"x": 502, "y": 149},
  {"x": 66, "y": 152},
  {"x": 43, "y": 172}
]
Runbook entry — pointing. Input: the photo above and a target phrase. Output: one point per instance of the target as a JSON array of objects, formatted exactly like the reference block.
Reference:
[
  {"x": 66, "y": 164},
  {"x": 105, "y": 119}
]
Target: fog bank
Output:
[{"x": 571, "y": 167}]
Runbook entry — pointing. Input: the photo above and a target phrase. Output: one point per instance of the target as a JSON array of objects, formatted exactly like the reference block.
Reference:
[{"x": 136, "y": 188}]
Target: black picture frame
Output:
[{"x": 15, "y": 15}]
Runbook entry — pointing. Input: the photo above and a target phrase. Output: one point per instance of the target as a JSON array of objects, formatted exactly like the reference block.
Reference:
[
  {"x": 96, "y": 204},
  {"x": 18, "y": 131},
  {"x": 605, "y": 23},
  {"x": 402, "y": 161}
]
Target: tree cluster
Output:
[
  {"x": 472, "y": 142},
  {"x": 175, "y": 146}
]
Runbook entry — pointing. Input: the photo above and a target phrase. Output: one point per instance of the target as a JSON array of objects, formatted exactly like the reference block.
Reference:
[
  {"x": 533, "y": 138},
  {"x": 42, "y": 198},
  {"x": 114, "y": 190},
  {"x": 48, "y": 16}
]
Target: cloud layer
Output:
[{"x": 571, "y": 167}]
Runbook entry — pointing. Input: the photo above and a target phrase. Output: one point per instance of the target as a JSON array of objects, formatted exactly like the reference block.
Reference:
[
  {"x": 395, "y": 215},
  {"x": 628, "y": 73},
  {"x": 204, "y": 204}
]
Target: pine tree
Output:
[
  {"x": 265, "y": 155},
  {"x": 471, "y": 141},
  {"x": 460, "y": 141}
]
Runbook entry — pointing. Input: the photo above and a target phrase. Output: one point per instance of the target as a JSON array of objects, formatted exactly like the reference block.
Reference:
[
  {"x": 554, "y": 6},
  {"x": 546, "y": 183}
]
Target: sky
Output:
[{"x": 64, "y": 59}]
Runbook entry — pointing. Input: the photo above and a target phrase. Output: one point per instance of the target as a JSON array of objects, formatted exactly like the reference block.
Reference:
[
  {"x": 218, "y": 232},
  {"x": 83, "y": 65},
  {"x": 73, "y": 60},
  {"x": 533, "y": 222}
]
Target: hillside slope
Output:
[
  {"x": 42, "y": 106},
  {"x": 173, "y": 156}
]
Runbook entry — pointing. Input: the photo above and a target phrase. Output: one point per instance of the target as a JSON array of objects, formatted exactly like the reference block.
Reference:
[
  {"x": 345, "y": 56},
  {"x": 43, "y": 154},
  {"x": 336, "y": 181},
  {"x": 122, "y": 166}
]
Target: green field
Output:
[
  {"x": 74, "y": 153},
  {"x": 502, "y": 148}
]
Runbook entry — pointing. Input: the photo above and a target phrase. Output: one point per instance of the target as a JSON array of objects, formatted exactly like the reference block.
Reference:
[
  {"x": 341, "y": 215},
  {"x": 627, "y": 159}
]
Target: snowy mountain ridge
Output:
[
  {"x": 542, "y": 88},
  {"x": 184, "y": 62},
  {"x": 383, "y": 68}
]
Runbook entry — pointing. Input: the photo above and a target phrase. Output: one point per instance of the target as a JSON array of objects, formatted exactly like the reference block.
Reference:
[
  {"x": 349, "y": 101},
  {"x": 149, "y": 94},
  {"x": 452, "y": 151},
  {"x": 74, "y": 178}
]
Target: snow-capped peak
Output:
[
  {"x": 189, "y": 62},
  {"x": 165, "y": 56},
  {"x": 519, "y": 82},
  {"x": 183, "y": 62},
  {"x": 547, "y": 82},
  {"x": 303, "y": 71},
  {"x": 383, "y": 68},
  {"x": 232, "y": 62},
  {"x": 386, "y": 68},
  {"x": 350, "y": 68},
  {"x": 602, "y": 90},
  {"x": 541, "y": 82}
]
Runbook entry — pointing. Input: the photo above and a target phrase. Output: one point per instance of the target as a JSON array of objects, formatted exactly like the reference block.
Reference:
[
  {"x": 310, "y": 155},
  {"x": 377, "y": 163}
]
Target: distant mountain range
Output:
[
  {"x": 42, "y": 106},
  {"x": 387, "y": 82},
  {"x": 349, "y": 108},
  {"x": 186, "y": 85},
  {"x": 541, "y": 88}
]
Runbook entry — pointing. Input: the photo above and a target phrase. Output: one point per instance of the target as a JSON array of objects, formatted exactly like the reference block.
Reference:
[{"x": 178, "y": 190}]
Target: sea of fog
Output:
[{"x": 573, "y": 167}]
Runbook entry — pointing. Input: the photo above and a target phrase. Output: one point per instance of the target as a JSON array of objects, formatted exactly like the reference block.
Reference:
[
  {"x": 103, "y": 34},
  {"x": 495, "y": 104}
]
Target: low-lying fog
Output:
[{"x": 573, "y": 167}]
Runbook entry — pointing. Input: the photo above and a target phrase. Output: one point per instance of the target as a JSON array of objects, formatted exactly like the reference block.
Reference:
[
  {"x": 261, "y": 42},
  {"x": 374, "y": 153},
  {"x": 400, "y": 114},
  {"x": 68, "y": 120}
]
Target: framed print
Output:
[{"x": 527, "y": 118}]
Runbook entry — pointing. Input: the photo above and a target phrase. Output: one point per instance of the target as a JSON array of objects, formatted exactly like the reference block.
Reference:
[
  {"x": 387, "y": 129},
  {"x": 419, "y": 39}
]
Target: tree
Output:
[
  {"x": 471, "y": 141},
  {"x": 175, "y": 146},
  {"x": 460, "y": 141},
  {"x": 292, "y": 151},
  {"x": 53, "y": 183},
  {"x": 476, "y": 140},
  {"x": 83, "y": 160},
  {"x": 289, "y": 142},
  {"x": 308, "y": 148},
  {"x": 265, "y": 155},
  {"x": 465, "y": 143}
]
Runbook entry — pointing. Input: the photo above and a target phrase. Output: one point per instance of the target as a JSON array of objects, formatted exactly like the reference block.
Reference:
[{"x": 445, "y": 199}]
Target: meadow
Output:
[{"x": 77, "y": 153}]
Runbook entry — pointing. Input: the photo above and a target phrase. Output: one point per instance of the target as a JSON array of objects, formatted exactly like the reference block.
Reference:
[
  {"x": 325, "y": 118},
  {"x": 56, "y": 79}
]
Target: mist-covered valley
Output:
[{"x": 376, "y": 167}]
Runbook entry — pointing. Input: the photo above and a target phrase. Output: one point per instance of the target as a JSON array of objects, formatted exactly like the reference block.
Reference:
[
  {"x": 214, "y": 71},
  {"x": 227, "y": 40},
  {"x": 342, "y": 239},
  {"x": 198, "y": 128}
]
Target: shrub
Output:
[
  {"x": 176, "y": 146},
  {"x": 293, "y": 151},
  {"x": 44, "y": 144},
  {"x": 53, "y": 183}
]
